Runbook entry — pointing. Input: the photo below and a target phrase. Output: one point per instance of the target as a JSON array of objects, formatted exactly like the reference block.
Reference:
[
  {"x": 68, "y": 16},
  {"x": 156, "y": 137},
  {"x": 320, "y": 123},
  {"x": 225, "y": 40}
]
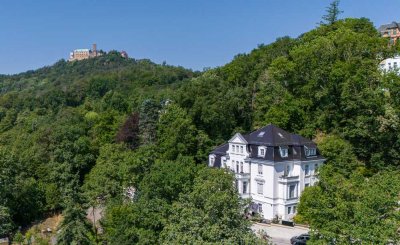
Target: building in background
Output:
[
  {"x": 124, "y": 54},
  {"x": 391, "y": 65},
  {"x": 81, "y": 54},
  {"x": 391, "y": 31},
  {"x": 272, "y": 167}
]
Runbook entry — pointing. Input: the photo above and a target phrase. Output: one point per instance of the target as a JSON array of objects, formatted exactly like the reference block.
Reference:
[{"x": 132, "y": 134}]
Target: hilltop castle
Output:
[{"x": 81, "y": 54}]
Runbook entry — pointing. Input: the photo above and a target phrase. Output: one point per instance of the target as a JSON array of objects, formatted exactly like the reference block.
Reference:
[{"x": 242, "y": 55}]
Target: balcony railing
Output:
[
  {"x": 242, "y": 175},
  {"x": 288, "y": 178}
]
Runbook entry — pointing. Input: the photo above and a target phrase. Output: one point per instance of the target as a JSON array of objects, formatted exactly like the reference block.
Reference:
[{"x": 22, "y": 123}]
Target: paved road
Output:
[{"x": 280, "y": 234}]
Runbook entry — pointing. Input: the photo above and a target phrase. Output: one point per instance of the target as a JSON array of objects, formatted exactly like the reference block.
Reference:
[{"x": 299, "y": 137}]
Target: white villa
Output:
[
  {"x": 391, "y": 64},
  {"x": 272, "y": 167}
]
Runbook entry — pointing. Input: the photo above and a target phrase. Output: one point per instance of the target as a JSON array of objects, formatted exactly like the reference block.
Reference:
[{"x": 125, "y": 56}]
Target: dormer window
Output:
[
  {"x": 212, "y": 161},
  {"x": 310, "y": 151},
  {"x": 284, "y": 151},
  {"x": 261, "y": 151}
]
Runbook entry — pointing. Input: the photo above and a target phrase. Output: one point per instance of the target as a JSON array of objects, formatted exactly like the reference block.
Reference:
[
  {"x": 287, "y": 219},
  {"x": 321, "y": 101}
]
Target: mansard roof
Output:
[
  {"x": 221, "y": 149},
  {"x": 271, "y": 135}
]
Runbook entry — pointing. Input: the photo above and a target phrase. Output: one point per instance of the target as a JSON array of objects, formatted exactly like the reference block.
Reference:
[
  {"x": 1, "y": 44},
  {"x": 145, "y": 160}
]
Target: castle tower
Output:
[{"x": 94, "y": 50}]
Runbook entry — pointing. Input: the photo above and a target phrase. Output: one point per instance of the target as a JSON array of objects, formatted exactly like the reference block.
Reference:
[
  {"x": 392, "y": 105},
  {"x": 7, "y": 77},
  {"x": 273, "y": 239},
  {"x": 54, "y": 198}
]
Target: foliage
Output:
[
  {"x": 332, "y": 13},
  {"x": 209, "y": 214},
  {"x": 74, "y": 228},
  {"x": 18, "y": 238},
  {"x": 351, "y": 210},
  {"x": 179, "y": 136},
  {"x": 6, "y": 223},
  {"x": 141, "y": 221},
  {"x": 339, "y": 154},
  {"x": 149, "y": 112},
  {"x": 129, "y": 132}
]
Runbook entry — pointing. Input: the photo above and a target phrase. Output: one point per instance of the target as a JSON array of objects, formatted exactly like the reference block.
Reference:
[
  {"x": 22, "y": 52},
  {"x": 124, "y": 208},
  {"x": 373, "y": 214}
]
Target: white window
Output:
[
  {"x": 292, "y": 193},
  {"x": 260, "y": 169},
  {"x": 289, "y": 210},
  {"x": 307, "y": 185},
  {"x": 284, "y": 151},
  {"x": 224, "y": 162},
  {"x": 237, "y": 167},
  {"x": 237, "y": 149},
  {"x": 241, "y": 167},
  {"x": 261, "y": 151},
  {"x": 294, "y": 209},
  {"x": 244, "y": 187},
  {"x": 310, "y": 151},
  {"x": 260, "y": 188},
  {"x": 260, "y": 209},
  {"x": 241, "y": 149},
  {"x": 307, "y": 170},
  {"x": 233, "y": 148},
  {"x": 315, "y": 167},
  {"x": 212, "y": 161}
]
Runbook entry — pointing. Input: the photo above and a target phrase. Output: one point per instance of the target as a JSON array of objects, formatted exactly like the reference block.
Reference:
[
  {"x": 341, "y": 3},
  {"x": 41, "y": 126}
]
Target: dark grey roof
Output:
[
  {"x": 271, "y": 135},
  {"x": 273, "y": 138},
  {"x": 392, "y": 25},
  {"x": 219, "y": 152},
  {"x": 221, "y": 149}
]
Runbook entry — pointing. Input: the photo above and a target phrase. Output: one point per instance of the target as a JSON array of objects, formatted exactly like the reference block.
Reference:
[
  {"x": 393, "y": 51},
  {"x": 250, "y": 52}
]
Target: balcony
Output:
[
  {"x": 242, "y": 175},
  {"x": 288, "y": 179},
  {"x": 244, "y": 195}
]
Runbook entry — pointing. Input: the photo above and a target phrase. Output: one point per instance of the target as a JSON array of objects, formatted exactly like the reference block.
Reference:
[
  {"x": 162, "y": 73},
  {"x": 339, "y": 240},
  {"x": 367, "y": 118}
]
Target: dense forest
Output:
[{"x": 85, "y": 134}]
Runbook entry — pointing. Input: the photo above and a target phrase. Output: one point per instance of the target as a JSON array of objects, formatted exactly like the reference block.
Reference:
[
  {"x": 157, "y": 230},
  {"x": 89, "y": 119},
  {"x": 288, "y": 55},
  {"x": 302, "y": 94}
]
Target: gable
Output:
[{"x": 238, "y": 138}]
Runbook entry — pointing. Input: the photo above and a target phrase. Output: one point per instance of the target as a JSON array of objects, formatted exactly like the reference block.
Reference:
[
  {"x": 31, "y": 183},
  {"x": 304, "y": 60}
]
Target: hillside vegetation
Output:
[{"x": 81, "y": 134}]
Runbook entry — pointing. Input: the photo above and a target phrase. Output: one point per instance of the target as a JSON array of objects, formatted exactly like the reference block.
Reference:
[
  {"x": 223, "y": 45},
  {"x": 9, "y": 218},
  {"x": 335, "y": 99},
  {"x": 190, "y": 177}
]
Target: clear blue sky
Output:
[{"x": 191, "y": 33}]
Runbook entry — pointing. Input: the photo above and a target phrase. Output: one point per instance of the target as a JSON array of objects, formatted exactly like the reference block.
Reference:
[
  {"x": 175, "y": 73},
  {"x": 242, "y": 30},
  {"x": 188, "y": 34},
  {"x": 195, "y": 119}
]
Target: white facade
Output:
[
  {"x": 275, "y": 186},
  {"x": 391, "y": 64}
]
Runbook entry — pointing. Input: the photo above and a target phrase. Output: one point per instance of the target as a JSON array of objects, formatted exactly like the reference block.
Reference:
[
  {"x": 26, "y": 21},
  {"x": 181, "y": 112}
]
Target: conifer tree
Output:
[
  {"x": 74, "y": 229},
  {"x": 332, "y": 13}
]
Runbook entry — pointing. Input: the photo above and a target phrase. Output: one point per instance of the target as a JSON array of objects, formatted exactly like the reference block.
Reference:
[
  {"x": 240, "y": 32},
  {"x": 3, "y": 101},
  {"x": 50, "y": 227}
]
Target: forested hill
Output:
[{"x": 81, "y": 134}]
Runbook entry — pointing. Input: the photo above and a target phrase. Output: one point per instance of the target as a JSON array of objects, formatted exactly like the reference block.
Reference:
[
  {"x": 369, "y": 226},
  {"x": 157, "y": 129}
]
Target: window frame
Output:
[
  {"x": 262, "y": 151},
  {"x": 260, "y": 208},
  {"x": 282, "y": 150},
  {"x": 212, "y": 160},
  {"x": 260, "y": 167},
  {"x": 294, "y": 192},
  {"x": 306, "y": 170},
  {"x": 310, "y": 152},
  {"x": 244, "y": 186},
  {"x": 260, "y": 188}
]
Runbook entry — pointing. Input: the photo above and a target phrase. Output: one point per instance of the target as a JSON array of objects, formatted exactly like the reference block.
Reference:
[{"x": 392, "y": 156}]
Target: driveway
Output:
[{"x": 280, "y": 234}]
